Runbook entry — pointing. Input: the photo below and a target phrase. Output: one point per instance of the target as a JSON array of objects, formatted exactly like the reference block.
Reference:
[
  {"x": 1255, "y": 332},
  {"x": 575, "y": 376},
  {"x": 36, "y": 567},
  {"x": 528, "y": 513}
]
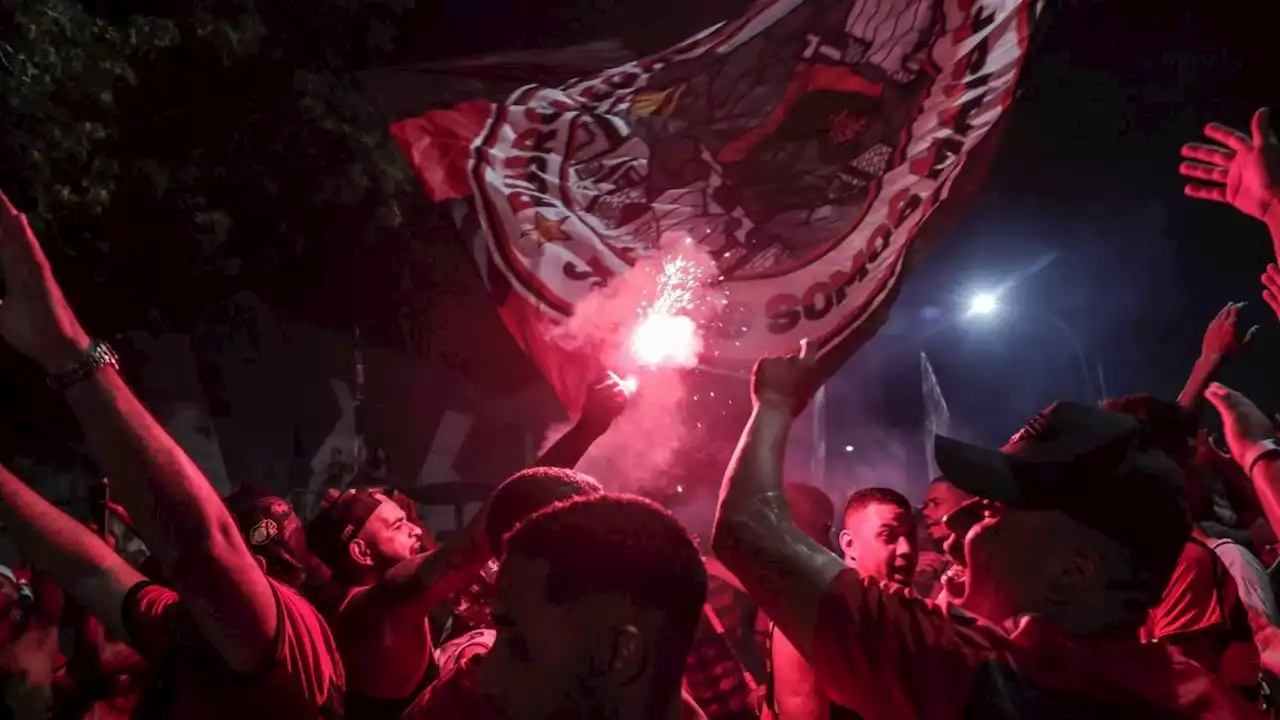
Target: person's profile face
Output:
[
  {"x": 940, "y": 499},
  {"x": 1019, "y": 555},
  {"x": 540, "y": 666},
  {"x": 880, "y": 541},
  {"x": 390, "y": 535}
]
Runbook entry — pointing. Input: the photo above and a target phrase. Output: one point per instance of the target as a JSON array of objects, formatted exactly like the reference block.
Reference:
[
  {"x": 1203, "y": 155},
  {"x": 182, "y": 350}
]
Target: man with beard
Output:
[
  {"x": 598, "y": 599},
  {"x": 1060, "y": 577},
  {"x": 387, "y": 585}
]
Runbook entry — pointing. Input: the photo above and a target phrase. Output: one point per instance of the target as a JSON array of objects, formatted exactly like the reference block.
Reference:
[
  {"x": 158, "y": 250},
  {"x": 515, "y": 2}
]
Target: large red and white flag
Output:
[{"x": 801, "y": 147}]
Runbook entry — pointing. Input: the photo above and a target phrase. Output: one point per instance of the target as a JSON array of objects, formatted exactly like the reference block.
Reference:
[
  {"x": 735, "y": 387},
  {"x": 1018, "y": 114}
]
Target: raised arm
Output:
[
  {"x": 1239, "y": 169},
  {"x": 176, "y": 511},
  {"x": 1249, "y": 435},
  {"x": 1221, "y": 341},
  {"x": 65, "y": 550},
  {"x": 605, "y": 402},
  {"x": 755, "y": 536}
]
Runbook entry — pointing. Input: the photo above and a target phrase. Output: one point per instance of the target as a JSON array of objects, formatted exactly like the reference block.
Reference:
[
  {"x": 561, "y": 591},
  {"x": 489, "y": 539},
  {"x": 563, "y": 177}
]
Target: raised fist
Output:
[{"x": 787, "y": 381}]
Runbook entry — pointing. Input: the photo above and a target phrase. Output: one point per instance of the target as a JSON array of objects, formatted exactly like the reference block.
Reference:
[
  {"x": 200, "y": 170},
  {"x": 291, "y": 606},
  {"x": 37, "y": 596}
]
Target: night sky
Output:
[{"x": 1082, "y": 212}]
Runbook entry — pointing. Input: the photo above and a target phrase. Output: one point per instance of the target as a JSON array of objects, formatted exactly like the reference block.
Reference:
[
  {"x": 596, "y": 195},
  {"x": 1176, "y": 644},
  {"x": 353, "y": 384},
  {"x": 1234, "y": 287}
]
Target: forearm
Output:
[
  {"x": 420, "y": 583},
  {"x": 1202, "y": 374},
  {"x": 567, "y": 451},
  {"x": 176, "y": 512},
  {"x": 754, "y": 480},
  {"x": 75, "y": 558},
  {"x": 182, "y": 520},
  {"x": 756, "y": 538}
]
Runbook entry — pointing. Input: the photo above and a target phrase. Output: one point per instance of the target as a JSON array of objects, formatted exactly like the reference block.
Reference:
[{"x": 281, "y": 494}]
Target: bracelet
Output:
[
  {"x": 1258, "y": 453},
  {"x": 98, "y": 356}
]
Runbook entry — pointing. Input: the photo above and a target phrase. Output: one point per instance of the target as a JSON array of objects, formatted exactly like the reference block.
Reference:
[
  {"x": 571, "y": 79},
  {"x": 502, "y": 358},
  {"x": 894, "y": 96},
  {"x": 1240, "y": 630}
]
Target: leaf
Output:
[{"x": 217, "y": 120}]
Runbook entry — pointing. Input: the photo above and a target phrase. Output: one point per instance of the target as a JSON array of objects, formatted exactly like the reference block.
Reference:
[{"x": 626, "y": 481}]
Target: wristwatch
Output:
[
  {"x": 1258, "y": 452},
  {"x": 98, "y": 356}
]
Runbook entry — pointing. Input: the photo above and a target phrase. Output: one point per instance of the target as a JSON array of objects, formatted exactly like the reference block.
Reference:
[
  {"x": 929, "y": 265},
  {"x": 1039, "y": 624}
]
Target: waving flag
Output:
[{"x": 801, "y": 147}]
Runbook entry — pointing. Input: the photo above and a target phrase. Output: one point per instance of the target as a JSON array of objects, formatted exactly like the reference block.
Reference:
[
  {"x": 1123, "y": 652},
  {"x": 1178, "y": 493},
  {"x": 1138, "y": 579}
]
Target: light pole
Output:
[{"x": 987, "y": 304}]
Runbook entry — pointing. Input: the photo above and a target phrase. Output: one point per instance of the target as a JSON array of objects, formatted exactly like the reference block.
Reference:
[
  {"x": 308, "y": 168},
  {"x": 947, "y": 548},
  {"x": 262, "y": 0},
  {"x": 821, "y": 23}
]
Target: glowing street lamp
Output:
[{"x": 984, "y": 303}]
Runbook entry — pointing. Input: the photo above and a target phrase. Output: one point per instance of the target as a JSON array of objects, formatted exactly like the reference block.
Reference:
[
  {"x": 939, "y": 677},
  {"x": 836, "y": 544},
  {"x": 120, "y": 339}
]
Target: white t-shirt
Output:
[{"x": 1251, "y": 578}]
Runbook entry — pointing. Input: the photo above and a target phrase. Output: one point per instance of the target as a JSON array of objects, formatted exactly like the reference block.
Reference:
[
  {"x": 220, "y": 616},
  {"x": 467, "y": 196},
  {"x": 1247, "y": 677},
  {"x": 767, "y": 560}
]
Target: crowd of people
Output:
[{"x": 1108, "y": 561}]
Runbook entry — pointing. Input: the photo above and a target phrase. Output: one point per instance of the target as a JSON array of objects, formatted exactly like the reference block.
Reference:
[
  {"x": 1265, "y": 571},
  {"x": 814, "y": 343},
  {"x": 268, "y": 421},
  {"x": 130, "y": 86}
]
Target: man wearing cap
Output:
[
  {"x": 389, "y": 583},
  {"x": 275, "y": 536},
  {"x": 1059, "y": 577},
  {"x": 386, "y": 585}
]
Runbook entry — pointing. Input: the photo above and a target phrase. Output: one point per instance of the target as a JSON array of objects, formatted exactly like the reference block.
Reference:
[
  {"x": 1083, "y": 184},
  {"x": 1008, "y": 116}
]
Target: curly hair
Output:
[
  {"x": 528, "y": 491},
  {"x": 623, "y": 546}
]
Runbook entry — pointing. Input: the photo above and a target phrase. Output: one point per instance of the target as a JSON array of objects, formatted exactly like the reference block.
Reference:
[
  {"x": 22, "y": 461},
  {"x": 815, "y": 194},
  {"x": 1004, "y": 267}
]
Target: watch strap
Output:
[{"x": 98, "y": 356}]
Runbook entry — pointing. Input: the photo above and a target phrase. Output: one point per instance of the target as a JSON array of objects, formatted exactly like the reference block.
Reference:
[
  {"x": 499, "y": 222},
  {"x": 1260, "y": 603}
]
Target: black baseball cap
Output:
[
  {"x": 1098, "y": 467},
  {"x": 340, "y": 520}
]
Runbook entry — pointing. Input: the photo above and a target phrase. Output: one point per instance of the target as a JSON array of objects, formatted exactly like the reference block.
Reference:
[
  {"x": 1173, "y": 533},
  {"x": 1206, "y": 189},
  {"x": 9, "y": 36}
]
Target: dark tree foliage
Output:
[{"x": 172, "y": 152}]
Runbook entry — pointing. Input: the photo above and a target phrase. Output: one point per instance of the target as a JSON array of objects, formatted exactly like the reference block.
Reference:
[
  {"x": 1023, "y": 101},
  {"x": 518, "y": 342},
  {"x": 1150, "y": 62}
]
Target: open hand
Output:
[
  {"x": 1243, "y": 424},
  {"x": 786, "y": 382},
  {"x": 34, "y": 316},
  {"x": 1221, "y": 339},
  {"x": 1242, "y": 170}
]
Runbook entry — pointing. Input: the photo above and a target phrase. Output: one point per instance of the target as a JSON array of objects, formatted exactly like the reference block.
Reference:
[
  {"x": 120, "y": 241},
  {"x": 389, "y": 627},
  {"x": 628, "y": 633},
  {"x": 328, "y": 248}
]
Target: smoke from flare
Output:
[{"x": 644, "y": 326}]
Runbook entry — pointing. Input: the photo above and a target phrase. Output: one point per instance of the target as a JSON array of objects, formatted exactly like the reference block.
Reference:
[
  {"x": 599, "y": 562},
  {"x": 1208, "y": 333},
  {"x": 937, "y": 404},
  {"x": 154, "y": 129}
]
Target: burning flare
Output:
[
  {"x": 628, "y": 384},
  {"x": 665, "y": 336}
]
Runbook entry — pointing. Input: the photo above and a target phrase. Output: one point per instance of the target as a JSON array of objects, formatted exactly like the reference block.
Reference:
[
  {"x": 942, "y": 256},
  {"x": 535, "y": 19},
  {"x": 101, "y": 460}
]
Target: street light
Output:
[
  {"x": 984, "y": 303},
  {"x": 987, "y": 303}
]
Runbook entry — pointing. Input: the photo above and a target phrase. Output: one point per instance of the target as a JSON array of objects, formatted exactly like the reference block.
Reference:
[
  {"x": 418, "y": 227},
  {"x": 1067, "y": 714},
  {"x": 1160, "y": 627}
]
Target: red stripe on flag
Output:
[{"x": 438, "y": 143}]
